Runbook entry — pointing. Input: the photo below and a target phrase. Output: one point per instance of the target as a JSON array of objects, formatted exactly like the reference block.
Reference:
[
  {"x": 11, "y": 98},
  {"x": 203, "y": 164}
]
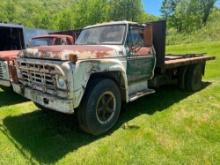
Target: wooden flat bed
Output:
[{"x": 174, "y": 61}]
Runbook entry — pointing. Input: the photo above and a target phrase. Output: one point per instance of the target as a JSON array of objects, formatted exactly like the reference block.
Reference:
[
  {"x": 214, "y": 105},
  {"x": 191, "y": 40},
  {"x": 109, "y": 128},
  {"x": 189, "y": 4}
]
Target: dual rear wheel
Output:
[{"x": 190, "y": 78}]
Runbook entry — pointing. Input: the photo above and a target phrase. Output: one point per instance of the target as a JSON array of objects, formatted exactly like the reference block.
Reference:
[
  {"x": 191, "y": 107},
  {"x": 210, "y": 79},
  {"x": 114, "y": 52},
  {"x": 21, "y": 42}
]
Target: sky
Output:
[
  {"x": 218, "y": 3},
  {"x": 153, "y": 6}
]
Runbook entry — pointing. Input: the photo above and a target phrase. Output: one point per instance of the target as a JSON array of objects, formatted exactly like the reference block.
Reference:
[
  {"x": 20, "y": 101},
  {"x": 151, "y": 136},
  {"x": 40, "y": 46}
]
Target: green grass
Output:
[{"x": 169, "y": 127}]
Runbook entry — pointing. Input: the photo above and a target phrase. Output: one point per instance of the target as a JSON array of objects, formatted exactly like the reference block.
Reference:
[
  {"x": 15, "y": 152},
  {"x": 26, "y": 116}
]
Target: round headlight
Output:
[{"x": 61, "y": 83}]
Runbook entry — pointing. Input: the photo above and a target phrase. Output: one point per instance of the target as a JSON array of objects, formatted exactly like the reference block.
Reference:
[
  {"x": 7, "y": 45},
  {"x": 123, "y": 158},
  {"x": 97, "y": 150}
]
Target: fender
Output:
[{"x": 85, "y": 69}]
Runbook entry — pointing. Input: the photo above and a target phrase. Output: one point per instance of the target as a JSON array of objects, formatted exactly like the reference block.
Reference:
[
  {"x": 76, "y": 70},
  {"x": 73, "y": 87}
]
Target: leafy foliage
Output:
[
  {"x": 187, "y": 15},
  {"x": 209, "y": 32},
  {"x": 69, "y": 14}
]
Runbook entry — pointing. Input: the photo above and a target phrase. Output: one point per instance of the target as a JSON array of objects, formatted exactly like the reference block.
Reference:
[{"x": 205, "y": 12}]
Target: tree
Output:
[
  {"x": 206, "y": 7},
  {"x": 168, "y": 10},
  {"x": 87, "y": 12},
  {"x": 10, "y": 11},
  {"x": 144, "y": 17},
  {"x": 125, "y": 10},
  {"x": 168, "y": 7},
  {"x": 69, "y": 14},
  {"x": 187, "y": 15},
  {"x": 3, "y": 16},
  {"x": 65, "y": 20}
]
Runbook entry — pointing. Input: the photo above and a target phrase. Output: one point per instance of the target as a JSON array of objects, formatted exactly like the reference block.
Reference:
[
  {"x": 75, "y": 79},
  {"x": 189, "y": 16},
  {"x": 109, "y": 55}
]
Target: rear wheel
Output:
[
  {"x": 100, "y": 107},
  {"x": 182, "y": 77},
  {"x": 193, "y": 79}
]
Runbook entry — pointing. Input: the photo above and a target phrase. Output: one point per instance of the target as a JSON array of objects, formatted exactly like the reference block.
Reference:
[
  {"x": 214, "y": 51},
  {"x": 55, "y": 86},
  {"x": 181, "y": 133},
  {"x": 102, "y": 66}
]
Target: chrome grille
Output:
[{"x": 37, "y": 76}]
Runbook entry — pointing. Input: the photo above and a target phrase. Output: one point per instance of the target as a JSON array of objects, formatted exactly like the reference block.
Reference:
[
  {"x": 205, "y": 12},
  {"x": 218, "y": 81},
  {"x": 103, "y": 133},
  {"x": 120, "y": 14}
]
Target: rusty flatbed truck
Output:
[
  {"x": 7, "y": 66},
  {"x": 11, "y": 41},
  {"x": 111, "y": 63},
  {"x": 13, "y": 38}
]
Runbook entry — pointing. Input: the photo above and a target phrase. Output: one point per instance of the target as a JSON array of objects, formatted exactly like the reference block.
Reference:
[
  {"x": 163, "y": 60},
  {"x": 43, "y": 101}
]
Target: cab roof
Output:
[
  {"x": 11, "y": 25},
  {"x": 112, "y": 23},
  {"x": 53, "y": 36}
]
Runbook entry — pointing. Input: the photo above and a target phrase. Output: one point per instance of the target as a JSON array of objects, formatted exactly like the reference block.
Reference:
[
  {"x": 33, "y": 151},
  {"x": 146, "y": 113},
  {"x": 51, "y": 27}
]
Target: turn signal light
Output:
[{"x": 73, "y": 58}]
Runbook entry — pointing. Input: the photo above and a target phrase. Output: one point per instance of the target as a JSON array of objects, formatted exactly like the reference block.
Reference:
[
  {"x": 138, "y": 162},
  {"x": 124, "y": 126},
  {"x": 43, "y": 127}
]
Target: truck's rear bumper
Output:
[
  {"x": 48, "y": 101},
  {"x": 5, "y": 83}
]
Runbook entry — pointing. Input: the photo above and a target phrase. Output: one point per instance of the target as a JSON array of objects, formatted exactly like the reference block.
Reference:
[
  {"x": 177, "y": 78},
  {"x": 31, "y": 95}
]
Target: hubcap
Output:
[{"x": 106, "y": 106}]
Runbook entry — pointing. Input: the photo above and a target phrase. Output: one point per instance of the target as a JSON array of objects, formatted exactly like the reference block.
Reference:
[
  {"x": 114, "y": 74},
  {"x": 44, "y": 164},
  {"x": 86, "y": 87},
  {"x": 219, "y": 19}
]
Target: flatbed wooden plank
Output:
[{"x": 172, "y": 63}]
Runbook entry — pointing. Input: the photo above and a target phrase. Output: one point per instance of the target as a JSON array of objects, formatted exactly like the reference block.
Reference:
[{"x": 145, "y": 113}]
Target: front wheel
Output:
[{"x": 100, "y": 107}]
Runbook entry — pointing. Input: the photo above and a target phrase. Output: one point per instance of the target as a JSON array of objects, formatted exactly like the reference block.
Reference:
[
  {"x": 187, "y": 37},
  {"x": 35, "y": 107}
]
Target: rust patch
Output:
[
  {"x": 101, "y": 54},
  {"x": 53, "y": 36},
  {"x": 80, "y": 48},
  {"x": 148, "y": 35},
  {"x": 143, "y": 51},
  {"x": 58, "y": 52},
  {"x": 69, "y": 40},
  {"x": 8, "y": 55},
  {"x": 12, "y": 71}
]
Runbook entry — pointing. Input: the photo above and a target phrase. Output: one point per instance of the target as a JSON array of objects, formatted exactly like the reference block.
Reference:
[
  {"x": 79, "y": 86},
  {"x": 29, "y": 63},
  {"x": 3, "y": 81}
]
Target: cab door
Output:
[{"x": 140, "y": 57}]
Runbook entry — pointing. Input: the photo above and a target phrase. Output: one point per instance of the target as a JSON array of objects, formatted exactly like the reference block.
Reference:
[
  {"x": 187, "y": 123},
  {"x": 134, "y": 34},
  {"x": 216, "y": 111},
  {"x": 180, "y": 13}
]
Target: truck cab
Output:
[
  {"x": 11, "y": 41},
  {"x": 51, "y": 39},
  {"x": 110, "y": 64},
  {"x": 7, "y": 57}
]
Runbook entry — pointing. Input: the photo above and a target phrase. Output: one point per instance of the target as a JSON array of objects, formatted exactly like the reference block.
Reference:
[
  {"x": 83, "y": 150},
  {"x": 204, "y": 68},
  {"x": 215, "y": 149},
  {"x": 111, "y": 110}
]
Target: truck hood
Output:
[
  {"x": 8, "y": 55},
  {"x": 63, "y": 52}
]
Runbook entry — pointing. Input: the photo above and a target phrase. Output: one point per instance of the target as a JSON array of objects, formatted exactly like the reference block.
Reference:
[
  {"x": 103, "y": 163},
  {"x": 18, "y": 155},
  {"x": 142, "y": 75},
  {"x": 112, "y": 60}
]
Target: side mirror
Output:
[{"x": 148, "y": 35}]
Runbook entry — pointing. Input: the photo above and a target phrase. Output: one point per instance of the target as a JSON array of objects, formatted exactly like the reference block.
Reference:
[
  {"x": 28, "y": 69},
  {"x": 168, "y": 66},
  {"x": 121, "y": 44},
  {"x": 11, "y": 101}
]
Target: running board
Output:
[{"x": 137, "y": 95}]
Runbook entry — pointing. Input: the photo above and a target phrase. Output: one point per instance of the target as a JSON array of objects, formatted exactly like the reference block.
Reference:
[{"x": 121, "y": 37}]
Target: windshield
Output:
[
  {"x": 41, "y": 42},
  {"x": 103, "y": 35}
]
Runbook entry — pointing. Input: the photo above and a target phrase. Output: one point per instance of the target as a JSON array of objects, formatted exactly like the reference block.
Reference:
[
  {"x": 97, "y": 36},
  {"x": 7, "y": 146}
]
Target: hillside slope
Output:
[
  {"x": 210, "y": 32},
  {"x": 69, "y": 14},
  {"x": 33, "y": 13}
]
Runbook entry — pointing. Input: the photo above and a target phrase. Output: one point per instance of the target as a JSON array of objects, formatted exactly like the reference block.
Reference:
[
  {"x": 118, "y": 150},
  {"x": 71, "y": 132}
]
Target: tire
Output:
[
  {"x": 100, "y": 107},
  {"x": 193, "y": 80},
  {"x": 181, "y": 77}
]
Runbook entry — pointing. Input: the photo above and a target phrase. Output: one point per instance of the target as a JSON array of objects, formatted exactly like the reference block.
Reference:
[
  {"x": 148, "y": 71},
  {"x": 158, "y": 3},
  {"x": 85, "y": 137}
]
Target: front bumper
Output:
[
  {"x": 46, "y": 100},
  {"x": 5, "y": 83}
]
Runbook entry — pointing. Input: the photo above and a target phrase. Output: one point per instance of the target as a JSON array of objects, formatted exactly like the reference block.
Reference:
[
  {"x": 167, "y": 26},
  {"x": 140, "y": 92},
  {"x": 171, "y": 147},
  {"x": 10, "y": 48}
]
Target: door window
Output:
[
  {"x": 135, "y": 42},
  {"x": 135, "y": 37}
]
